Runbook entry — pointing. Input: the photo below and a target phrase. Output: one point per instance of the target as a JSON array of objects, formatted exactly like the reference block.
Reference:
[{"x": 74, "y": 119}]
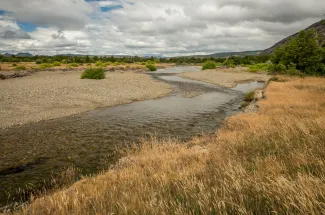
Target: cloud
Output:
[
  {"x": 142, "y": 27},
  {"x": 64, "y": 14}
]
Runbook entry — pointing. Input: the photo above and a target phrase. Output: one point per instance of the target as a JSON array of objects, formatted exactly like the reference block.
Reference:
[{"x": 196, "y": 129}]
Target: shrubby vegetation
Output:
[
  {"x": 209, "y": 65},
  {"x": 151, "y": 67},
  {"x": 93, "y": 73},
  {"x": 56, "y": 63},
  {"x": 305, "y": 53},
  {"x": 73, "y": 65},
  {"x": 20, "y": 68}
]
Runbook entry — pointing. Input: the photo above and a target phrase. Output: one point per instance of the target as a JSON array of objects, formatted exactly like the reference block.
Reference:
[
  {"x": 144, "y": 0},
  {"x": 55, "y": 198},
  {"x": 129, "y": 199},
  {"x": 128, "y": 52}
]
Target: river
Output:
[{"x": 89, "y": 141}]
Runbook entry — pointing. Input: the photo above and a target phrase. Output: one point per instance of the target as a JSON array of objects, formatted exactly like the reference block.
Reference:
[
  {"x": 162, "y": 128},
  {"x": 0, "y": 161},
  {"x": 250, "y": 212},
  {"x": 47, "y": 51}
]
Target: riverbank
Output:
[
  {"x": 47, "y": 95},
  {"x": 226, "y": 77},
  {"x": 267, "y": 162}
]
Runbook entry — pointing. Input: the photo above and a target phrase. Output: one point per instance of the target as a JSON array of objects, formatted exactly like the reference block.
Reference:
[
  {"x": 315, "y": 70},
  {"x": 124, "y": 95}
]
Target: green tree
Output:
[{"x": 304, "y": 51}]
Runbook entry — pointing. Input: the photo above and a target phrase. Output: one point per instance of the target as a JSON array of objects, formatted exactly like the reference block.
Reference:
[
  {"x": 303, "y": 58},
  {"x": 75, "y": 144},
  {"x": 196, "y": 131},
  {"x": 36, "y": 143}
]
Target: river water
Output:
[{"x": 89, "y": 141}]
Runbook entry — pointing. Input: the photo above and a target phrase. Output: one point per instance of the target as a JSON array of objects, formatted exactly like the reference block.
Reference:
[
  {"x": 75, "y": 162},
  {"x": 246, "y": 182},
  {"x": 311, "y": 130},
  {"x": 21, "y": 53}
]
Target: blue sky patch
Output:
[
  {"x": 2, "y": 12},
  {"x": 110, "y": 8},
  {"x": 27, "y": 26}
]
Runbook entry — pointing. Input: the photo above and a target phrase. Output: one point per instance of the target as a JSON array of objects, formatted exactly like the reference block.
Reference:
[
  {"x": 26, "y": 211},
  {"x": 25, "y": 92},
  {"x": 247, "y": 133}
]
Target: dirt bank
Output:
[
  {"x": 48, "y": 95},
  {"x": 226, "y": 77}
]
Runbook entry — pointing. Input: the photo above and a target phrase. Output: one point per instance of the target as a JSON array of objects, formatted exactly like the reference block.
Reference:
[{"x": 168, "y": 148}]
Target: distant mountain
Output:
[
  {"x": 21, "y": 54},
  {"x": 26, "y": 54},
  {"x": 7, "y": 55},
  {"x": 229, "y": 54},
  {"x": 319, "y": 27}
]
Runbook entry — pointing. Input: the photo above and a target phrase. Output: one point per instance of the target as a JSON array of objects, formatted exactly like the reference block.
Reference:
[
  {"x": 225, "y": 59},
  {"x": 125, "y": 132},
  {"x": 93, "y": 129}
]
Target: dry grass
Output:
[
  {"x": 270, "y": 162},
  {"x": 226, "y": 77}
]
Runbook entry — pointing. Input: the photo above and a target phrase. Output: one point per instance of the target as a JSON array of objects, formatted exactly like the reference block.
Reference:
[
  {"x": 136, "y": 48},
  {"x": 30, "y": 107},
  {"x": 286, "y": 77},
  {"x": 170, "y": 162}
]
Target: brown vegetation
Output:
[{"x": 269, "y": 162}]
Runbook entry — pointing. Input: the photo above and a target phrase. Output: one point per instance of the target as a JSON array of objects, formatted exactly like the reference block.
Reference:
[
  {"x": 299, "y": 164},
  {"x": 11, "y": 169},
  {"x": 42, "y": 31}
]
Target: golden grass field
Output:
[{"x": 269, "y": 162}]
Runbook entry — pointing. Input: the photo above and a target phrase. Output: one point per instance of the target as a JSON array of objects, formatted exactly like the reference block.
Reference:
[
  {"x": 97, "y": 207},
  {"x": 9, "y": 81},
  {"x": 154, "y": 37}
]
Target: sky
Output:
[{"x": 150, "y": 27}]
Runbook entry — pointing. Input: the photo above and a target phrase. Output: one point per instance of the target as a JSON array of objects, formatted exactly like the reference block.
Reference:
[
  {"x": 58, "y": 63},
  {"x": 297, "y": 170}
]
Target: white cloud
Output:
[{"x": 169, "y": 27}]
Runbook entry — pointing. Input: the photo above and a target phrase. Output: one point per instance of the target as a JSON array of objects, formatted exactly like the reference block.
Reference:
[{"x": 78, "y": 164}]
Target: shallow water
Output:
[{"x": 89, "y": 140}]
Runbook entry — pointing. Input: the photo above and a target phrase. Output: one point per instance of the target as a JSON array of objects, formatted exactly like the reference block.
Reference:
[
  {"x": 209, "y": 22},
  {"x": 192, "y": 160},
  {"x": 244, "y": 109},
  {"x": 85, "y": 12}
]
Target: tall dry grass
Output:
[{"x": 270, "y": 162}]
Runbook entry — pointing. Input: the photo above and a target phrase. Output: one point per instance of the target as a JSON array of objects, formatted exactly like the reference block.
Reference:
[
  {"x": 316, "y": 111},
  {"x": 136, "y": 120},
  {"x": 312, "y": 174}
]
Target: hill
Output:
[
  {"x": 228, "y": 54},
  {"x": 319, "y": 27}
]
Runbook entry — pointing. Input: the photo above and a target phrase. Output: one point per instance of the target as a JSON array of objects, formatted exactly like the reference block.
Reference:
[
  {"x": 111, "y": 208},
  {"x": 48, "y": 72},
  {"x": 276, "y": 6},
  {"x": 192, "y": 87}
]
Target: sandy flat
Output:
[
  {"x": 48, "y": 95},
  {"x": 226, "y": 77}
]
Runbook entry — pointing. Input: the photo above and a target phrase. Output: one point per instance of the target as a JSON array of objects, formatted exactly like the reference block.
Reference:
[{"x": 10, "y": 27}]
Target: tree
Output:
[{"x": 304, "y": 51}]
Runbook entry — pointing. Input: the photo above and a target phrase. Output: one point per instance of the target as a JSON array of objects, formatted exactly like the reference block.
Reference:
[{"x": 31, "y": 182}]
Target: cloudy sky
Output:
[{"x": 150, "y": 27}]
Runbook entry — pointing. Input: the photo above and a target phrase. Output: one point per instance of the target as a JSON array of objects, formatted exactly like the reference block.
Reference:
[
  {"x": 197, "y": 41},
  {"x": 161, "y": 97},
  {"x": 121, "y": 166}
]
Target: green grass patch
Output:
[{"x": 93, "y": 73}]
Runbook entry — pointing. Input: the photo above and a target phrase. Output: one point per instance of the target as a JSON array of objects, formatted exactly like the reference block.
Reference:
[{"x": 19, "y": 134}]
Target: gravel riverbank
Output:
[
  {"x": 47, "y": 95},
  {"x": 225, "y": 77}
]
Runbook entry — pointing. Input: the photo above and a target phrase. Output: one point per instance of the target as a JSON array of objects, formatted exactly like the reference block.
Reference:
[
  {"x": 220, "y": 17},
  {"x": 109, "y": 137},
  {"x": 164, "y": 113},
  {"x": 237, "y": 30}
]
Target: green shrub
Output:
[
  {"x": 99, "y": 64},
  {"x": 260, "y": 67},
  {"x": 64, "y": 61},
  {"x": 209, "y": 65},
  {"x": 20, "y": 68},
  {"x": 38, "y": 61},
  {"x": 116, "y": 64},
  {"x": 45, "y": 66},
  {"x": 249, "y": 96},
  {"x": 277, "y": 68},
  {"x": 56, "y": 64},
  {"x": 73, "y": 65},
  {"x": 143, "y": 63},
  {"x": 229, "y": 63},
  {"x": 150, "y": 62},
  {"x": 93, "y": 73},
  {"x": 151, "y": 67},
  {"x": 13, "y": 64}
]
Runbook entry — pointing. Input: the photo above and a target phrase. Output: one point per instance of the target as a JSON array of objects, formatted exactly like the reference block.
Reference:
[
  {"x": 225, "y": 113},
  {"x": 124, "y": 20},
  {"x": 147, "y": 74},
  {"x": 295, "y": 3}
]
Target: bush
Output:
[
  {"x": 73, "y": 65},
  {"x": 64, "y": 61},
  {"x": 20, "y": 68},
  {"x": 151, "y": 67},
  {"x": 56, "y": 63},
  {"x": 45, "y": 66},
  {"x": 209, "y": 65},
  {"x": 260, "y": 67},
  {"x": 13, "y": 64},
  {"x": 229, "y": 63},
  {"x": 277, "y": 68},
  {"x": 38, "y": 61},
  {"x": 150, "y": 62},
  {"x": 93, "y": 73},
  {"x": 116, "y": 64},
  {"x": 99, "y": 64}
]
